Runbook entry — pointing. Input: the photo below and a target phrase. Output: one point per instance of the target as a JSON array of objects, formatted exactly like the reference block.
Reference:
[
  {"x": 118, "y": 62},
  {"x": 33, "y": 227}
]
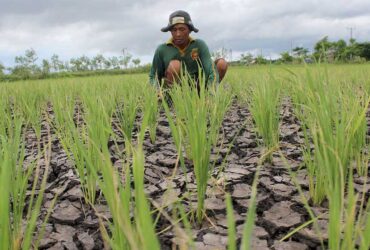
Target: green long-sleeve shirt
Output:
[{"x": 195, "y": 54}]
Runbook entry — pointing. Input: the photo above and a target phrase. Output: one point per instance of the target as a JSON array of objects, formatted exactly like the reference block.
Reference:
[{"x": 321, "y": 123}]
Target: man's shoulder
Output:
[
  {"x": 161, "y": 46},
  {"x": 200, "y": 42}
]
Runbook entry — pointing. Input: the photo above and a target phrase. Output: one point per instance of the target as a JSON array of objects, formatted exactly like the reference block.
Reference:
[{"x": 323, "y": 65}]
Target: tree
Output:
[
  {"x": 2, "y": 67},
  {"x": 330, "y": 51},
  {"x": 352, "y": 41},
  {"x": 246, "y": 59},
  {"x": 98, "y": 61},
  {"x": 85, "y": 63},
  {"x": 136, "y": 62},
  {"x": 300, "y": 52},
  {"x": 66, "y": 66},
  {"x": 20, "y": 71},
  {"x": 26, "y": 64},
  {"x": 76, "y": 64},
  {"x": 107, "y": 64},
  {"x": 321, "y": 48},
  {"x": 56, "y": 64},
  {"x": 322, "y": 44},
  {"x": 286, "y": 57},
  {"x": 364, "y": 50},
  {"x": 339, "y": 48},
  {"x": 45, "y": 67},
  {"x": 357, "y": 51},
  {"x": 114, "y": 61},
  {"x": 261, "y": 60},
  {"x": 124, "y": 60}
]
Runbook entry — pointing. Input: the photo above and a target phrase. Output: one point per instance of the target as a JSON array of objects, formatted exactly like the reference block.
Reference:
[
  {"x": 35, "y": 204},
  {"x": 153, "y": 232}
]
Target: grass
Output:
[
  {"x": 15, "y": 205},
  {"x": 333, "y": 114},
  {"x": 336, "y": 125},
  {"x": 264, "y": 103},
  {"x": 127, "y": 231},
  {"x": 199, "y": 114}
]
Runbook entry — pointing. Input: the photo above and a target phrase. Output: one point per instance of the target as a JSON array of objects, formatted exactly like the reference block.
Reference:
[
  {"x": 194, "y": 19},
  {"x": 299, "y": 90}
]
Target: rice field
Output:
[{"x": 276, "y": 157}]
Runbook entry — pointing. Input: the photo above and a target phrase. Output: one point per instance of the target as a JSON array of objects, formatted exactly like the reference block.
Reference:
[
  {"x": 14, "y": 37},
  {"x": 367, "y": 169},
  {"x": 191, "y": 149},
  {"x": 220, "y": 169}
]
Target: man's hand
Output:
[
  {"x": 159, "y": 94},
  {"x": 168, "y": 83}
]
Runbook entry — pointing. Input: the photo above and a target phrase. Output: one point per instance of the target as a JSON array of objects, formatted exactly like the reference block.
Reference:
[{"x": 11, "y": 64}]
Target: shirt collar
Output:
[{"x": 170, "y": 41}]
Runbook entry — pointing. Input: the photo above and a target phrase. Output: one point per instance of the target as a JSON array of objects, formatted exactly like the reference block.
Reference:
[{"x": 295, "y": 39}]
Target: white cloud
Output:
[{"x": 73, "y": 28}]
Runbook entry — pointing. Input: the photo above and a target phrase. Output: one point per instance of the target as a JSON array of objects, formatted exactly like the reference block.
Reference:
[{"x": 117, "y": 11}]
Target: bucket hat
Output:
[{"x": 179, "y": 16}]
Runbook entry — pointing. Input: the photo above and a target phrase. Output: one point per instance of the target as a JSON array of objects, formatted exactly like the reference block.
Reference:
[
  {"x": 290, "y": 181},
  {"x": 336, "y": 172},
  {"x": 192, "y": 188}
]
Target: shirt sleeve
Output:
[
  {"x": 157, "y": 70},
  {"x": 208, "y": 65}
]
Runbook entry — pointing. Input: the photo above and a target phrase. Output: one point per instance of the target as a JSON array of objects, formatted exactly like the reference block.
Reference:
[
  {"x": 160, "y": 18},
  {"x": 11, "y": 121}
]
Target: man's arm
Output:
[
  {"x": 209, "y": 67},
  {"x": 157, "y": 70}
]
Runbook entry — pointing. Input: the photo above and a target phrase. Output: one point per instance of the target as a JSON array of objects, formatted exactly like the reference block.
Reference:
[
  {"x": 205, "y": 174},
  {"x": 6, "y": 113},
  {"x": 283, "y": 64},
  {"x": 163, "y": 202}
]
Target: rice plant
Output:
[
  {"x": 335, "y": 122},
  {"x": 14, "y": 233},
  {"x": 128, "y": 107},
  {"x": 127, "y": 232},
  {"x": 32, "y": 107},
  {"x": 199, "y": 112},
  {"x": 334, "y": 115},
  {"x": 231, "y": 232},
  {"x": 264, "y": 104},
  {"x": 151, "y": 107}
]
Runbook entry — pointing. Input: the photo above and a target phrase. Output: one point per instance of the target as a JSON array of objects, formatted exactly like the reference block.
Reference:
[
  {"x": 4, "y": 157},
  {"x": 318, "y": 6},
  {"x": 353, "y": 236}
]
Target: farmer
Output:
[{"x": 182, "y": 51}]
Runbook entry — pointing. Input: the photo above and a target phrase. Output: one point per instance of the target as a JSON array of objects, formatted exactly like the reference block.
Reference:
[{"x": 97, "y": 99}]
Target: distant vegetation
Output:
[
  {"x": 26, "y": 66},
  {"x": 323, "y": 51}
]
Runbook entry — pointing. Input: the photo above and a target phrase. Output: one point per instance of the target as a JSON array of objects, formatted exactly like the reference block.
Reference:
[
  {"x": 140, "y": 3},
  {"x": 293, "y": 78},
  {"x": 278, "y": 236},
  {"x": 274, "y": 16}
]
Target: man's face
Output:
[{"x": 180, "y": 34}]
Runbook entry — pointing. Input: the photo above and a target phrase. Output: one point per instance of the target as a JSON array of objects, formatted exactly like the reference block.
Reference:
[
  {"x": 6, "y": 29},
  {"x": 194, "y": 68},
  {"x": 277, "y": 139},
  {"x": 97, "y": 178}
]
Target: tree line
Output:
[
  {"x": 26, "y": 65},
  {"x": 324, "y": 51}
]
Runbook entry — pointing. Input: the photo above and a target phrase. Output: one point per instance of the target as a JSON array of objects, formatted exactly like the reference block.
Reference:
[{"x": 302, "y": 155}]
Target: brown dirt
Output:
[{"x": 74, "y": 225}]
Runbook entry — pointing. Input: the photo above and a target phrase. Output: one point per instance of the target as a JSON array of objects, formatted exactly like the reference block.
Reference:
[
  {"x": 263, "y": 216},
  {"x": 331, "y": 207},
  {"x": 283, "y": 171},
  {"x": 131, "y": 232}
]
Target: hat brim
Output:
[{"x": 168, "y": 28}]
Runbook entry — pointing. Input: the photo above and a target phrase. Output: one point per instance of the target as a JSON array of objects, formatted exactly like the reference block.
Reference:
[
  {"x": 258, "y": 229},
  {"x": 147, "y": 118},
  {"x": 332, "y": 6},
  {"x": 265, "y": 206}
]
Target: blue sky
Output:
[{"x": 75, "y": 28}]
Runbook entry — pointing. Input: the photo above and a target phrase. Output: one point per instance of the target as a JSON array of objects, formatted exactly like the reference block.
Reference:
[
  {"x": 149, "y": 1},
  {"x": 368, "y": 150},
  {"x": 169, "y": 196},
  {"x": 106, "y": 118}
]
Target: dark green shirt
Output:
[{"x": 194, "y": 55}]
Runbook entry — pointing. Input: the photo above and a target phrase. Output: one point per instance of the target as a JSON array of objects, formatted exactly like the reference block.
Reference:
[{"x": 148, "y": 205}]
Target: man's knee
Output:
[
  {"x": 172, "y": 72},
  {"x": 174, "y": 67},
  {"x": 221, "y": 66}
]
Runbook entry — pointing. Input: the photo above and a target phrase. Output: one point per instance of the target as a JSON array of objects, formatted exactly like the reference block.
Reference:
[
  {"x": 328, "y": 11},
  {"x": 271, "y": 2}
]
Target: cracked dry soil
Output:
[{"x": 74, "y": 225}]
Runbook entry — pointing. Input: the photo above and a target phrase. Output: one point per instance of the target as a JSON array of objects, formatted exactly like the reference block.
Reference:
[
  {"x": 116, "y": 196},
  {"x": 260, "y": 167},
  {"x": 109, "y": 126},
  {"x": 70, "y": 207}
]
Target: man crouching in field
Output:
[{"x": 182, "y": 51}]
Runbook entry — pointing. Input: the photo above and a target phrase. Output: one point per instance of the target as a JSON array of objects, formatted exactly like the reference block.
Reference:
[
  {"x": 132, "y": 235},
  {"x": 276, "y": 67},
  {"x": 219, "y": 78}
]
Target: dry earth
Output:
[{"x": 74, "y": 225}]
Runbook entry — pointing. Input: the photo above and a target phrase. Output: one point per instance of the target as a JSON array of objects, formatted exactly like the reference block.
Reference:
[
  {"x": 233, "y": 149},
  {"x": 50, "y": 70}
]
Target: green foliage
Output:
[
  {"x": 335, "y": 125},
  {"x": 31, "y": 107},
  {"x": 127, "y": 233},
  {"x": 199, "y": 114},
  {"x": 333, "y": 115},
  {"x": 129, "y": 103},
  {"x": 300, "y": 52},
  {"x": 15, "y": 234},
  {"x": 326, "y": 50},
  {"x": 263, "y": 98},
  {"x": 26, "y": 65},
  {"x": 136, "y": 62},
  {"x": 56, "y": 64},
  {"x": 151, "y": 108},
  {"x": 251, "y": 214},
  {"x": 45, "y": 67},
  {"x": 246, "y": 59},
  {"x": 2, "y": 67},
  {"x": 231, "y": 232},
  {"x": 286, "y": 57},
  {"x": 261, "y": 60}
]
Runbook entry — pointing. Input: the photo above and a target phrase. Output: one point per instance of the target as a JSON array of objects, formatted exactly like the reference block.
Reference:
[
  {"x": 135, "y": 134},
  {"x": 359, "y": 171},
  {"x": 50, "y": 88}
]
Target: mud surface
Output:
[{"x": 74, "y": 225}]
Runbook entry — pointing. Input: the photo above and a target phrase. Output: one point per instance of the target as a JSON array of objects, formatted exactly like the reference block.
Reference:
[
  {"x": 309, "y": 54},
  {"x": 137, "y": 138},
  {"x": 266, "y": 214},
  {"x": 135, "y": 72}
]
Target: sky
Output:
[{"x": 72, "y": 28}]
